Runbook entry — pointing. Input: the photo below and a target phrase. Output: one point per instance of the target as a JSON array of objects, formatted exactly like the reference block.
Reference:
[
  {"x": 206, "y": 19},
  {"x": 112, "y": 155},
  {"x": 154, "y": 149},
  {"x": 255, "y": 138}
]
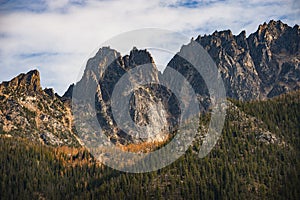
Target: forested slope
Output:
[{"x": 257, "y": 157}]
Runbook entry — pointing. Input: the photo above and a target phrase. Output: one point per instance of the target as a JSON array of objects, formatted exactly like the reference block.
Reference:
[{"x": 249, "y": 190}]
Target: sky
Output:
[{"x": 58, "y": 36}]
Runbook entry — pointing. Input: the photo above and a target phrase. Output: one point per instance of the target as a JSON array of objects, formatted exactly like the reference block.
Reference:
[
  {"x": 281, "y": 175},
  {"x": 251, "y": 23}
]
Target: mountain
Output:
[
  {"x": 150, "y": 104},
  {"x": 263, "y": 65},
  {"x": 257, "y": 156}
]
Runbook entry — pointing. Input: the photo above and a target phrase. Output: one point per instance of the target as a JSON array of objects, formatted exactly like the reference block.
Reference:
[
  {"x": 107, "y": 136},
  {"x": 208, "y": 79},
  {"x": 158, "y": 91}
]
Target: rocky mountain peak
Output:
[
  {"x": 29, "y": 82},
  {"x": 278, "y": 36},
  {"x": 242, "y": 34},
  {"x": 268, "y": 32},
  {"x": 68, "y": 94},
  {"x": 28, "y": 111},
  {"x": 216, "y": 39},
  {"x": 272, "y": 26},
  {"x": 139, "y": 57},
  {"x": 100, "y": 86},
  {"x": 97, "y": 64},
  {"x": 224, "y": 35}
]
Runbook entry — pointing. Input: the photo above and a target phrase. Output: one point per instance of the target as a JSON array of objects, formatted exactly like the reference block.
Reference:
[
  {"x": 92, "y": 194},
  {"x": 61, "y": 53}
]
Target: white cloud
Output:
[{"x": 63, "y": 36}]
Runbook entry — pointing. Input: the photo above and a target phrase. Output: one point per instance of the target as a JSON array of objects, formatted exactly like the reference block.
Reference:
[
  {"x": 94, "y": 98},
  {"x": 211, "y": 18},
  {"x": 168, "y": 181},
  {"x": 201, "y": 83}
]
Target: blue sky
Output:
[{"x": 58, "y": 36}]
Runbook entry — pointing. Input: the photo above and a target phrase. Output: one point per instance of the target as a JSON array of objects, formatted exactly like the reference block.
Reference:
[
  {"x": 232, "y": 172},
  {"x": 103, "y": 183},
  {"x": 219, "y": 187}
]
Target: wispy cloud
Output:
[{"x": 57, "y": 36}]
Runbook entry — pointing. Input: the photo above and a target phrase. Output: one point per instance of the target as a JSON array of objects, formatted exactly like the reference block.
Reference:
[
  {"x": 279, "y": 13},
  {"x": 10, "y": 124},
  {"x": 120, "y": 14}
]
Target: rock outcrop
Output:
[
  {"x": 24, "y": 83},
  {"x": 29, "y": 112}
]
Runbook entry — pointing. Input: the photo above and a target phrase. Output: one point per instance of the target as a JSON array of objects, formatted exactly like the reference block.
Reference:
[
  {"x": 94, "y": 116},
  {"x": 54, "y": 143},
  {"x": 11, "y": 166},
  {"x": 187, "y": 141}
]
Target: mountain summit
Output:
[{"x": 24, "y": 83}]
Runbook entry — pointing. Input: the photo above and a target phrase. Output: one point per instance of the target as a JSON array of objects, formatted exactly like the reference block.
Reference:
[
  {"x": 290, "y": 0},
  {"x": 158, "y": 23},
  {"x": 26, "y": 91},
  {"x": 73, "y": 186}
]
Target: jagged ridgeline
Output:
[{"x": 263, "y": 65}]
